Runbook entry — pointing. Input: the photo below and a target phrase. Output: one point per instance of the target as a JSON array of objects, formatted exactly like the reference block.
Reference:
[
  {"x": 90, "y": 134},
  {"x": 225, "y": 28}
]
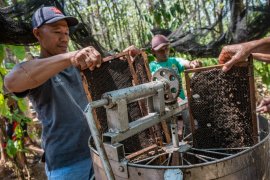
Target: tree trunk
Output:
[
  {"x": 207, "y": 18},
  {"x": 140, "y": 24},
  {"x": 117, "y": 14},
  {"x": 237, "y": 8},
  {"x": 101, "y": 23}
]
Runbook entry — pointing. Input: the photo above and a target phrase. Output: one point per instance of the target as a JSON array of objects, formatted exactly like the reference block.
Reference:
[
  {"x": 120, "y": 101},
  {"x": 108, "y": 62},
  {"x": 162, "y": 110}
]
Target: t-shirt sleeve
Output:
[
  {"x": 180, "y": 65},
  {"x": 30, "y": 92},
  {"x": 20, "y": 94}
]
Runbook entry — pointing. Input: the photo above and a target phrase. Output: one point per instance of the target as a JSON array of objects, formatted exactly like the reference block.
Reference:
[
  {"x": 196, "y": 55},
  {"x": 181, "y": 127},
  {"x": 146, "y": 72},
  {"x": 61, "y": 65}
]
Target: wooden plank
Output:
[{"x": 140, "y": 152}]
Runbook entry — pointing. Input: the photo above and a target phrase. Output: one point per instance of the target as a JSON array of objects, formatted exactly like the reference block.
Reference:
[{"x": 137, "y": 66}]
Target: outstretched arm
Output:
[
  {"x": 133, "y": 50},
  {"x": 33, "y": 73},
  {"x": 190, "y": 64},
  {"x": 262, "y": 57},
  {"x": 232, "y": 54}
]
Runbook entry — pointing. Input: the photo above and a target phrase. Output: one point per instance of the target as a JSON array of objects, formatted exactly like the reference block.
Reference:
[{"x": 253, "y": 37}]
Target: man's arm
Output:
[
  {"x": 189, "y": 64},
  {"x": 232, "y": 54},
  {"x": 133, "y": 50},
  {"x": 262, "y": 57},
  {"x": 31, "y": 74}
]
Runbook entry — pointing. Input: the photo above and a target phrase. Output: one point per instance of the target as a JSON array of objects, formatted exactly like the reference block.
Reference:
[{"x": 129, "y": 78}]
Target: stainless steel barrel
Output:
[{"x": 249, "y": 164}]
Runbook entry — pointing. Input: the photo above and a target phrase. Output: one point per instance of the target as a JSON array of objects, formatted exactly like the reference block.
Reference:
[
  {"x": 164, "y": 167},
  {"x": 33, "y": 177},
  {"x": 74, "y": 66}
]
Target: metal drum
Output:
[{"x": 247, "y": 163}]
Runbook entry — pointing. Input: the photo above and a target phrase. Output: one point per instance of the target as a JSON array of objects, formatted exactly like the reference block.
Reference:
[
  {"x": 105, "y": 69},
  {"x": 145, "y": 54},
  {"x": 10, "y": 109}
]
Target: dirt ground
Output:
[{"x": 36, "y": 170}]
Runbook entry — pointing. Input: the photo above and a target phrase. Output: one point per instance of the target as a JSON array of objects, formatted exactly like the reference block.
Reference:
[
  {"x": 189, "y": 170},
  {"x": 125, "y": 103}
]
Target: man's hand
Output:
[
  {"x": 264, "y": 106},
  {"x": 194, "y": 64},
  {"x": 132, "y": 50},
  {"x": 85, "y": 58},
  {"x": 233, "y": 54}
]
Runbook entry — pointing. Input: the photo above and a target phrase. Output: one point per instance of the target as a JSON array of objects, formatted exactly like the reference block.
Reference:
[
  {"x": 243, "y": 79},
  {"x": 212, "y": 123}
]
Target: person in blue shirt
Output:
[
  {"x": 160, "y": 46},
  {"x": 161, "y": 49},
  {"x": 53, "y": 84}
]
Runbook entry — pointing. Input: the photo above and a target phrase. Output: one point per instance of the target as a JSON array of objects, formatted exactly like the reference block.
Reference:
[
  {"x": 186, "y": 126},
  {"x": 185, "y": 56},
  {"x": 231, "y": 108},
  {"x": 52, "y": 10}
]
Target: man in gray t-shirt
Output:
[{"x": 53, "y": 84}]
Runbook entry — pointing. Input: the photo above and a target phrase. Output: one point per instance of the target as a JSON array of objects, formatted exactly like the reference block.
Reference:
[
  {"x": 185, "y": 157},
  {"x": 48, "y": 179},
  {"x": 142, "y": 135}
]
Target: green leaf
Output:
[
  {"x": 22, "y": 104},
  {"x": 3, "y": 71},
  {"x": 157, "y": 17},
  {"x": 18, "y": 145},
  {"x": 19, "y": 131},
  {"x": 172, "y": 10},
  {"x": 2, "y": 100},
  {"x": 9, "y": 65},
  {"x": 1, "y": 86},
  {"x": 178, "y": 8},
  {"x": 4, "y": 109},
  {"x": 2, "y": 53},
  {"x": 167, "y": 16},
  {"x": 11, "y": 149},
  {"x": 18, "y": 51},
  {"x": 26, "y": 120},
  {"x": 265, "y": 79},
  {"x": 16, "y": 117},
  {"x": 151, "y": 58}
]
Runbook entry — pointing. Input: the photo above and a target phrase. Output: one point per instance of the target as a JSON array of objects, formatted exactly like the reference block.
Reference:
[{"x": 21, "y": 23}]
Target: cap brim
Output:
[
  {"x": 161, "y": 46},
  {"x": 71, "y": 21}
]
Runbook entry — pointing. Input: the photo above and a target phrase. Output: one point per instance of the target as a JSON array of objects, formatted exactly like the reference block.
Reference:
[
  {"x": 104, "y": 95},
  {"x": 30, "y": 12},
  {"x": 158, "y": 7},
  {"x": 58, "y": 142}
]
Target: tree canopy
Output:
[{"x": 197, "y": 27}]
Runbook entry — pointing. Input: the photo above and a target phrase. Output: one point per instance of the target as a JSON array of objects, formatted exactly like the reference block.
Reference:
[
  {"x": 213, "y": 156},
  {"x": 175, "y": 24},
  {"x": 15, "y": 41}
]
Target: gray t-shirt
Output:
[{"x": 60, "y": 102}]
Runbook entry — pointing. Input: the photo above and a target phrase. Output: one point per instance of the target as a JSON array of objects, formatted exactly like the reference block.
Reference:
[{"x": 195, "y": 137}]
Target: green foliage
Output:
[
  {"x": 4, "y": 109},
  {"x": 3, "y": 71},
  {"x": 2, "y": 53},
  {"x": 18, "y": 51},
  {"x": 209, "y": 61},
  {"x": 118, "y": 24},
  {"x": 36, "y": 49},
  {"x": 9, "y": 65},
  {"x": 157, "y": 17},
  {"x": 11, "y": 148},
  {"x": 262, "y": 69},
  {"x": 16, "y": 115},
  {"x": 21, "y": 103},
  {"x": 1, "y": 84},
  {"x": 19, "y": 132},
  {"x": 150, "y": 56}
]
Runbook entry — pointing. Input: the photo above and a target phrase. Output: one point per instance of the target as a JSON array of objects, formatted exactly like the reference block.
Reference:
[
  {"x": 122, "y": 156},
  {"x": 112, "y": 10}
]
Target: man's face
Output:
[
  {"x": 53, "y": 38},
  {"x": 162, "y": 54}
]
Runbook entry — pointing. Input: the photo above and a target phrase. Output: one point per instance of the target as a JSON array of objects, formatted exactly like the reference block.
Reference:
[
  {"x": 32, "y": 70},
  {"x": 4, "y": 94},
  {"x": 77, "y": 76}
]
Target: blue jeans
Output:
[{"x": 82, "y": 170}]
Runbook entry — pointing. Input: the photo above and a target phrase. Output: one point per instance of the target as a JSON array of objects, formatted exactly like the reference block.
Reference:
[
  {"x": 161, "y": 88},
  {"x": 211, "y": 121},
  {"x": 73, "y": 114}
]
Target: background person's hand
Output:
[
  {"x": 133, "y": 51},
  {"x": 194, "y": 64},
  {"x": 85, "y": 58},
  {"x": 264, "y": 106},
  {"x": 232, "y": 54}
]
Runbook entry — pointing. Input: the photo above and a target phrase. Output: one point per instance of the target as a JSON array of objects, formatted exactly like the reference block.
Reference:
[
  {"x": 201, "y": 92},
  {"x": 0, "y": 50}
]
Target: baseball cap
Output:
[
  {"x": 47, "y": 15},
  {"x": 159, "y": 41}
]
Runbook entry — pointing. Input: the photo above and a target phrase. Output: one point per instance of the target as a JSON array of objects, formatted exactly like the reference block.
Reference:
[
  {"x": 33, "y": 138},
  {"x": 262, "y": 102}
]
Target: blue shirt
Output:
[{"x": 60, "y": 102}]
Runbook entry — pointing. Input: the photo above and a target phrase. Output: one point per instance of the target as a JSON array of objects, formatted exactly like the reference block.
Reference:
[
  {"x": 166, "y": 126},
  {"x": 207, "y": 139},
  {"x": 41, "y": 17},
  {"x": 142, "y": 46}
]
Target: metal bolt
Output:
[{"x": 121, "y": 169}]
